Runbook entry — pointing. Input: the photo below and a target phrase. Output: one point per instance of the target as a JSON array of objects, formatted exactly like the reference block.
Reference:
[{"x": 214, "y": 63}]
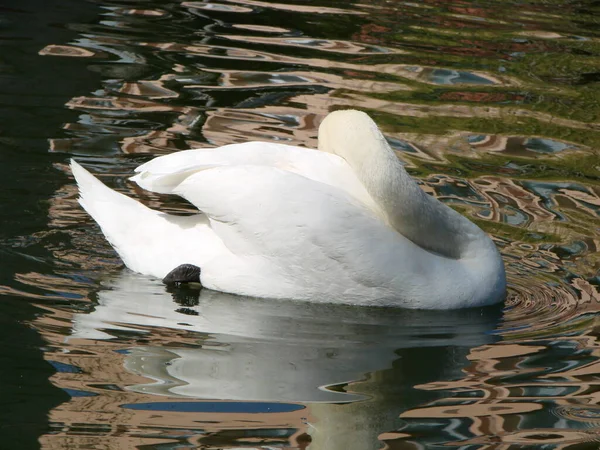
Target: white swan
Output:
[{"x": 342, "y": 224}]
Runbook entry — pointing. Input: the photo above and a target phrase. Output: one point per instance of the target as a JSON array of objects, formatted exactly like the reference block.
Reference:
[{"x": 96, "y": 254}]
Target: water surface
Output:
[{"x": 493, "y": 106}]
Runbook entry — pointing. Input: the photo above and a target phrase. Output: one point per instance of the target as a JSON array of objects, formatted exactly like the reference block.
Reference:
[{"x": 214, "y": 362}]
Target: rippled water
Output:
[{"x": 494, "y": 106}]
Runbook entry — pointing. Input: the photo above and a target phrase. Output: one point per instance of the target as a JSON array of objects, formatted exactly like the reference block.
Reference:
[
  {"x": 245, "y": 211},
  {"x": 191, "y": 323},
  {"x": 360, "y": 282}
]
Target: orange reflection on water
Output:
[
  {"x": 66, "y": 50},
  {"x": 296, "y": 8}
]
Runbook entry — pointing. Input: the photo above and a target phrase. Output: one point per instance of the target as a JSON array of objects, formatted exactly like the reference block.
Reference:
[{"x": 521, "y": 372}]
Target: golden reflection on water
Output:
[{"x": 473, "y": 100}]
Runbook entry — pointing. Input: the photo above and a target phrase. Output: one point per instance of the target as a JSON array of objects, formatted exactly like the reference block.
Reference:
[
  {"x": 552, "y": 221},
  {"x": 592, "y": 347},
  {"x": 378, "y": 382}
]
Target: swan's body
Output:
[{"x": 345, "y": 224}]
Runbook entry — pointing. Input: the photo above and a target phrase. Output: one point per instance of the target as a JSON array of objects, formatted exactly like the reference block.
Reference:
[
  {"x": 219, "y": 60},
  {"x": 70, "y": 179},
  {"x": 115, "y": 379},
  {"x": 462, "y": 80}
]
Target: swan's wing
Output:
[
  {"x": 288, "y": 236},
  {"x": 165, "y": 173}
]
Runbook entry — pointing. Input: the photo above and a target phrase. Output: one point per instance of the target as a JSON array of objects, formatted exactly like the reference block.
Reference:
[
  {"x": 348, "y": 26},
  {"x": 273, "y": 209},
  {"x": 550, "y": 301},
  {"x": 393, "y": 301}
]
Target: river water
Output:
[{"x": 493, "y": 105}]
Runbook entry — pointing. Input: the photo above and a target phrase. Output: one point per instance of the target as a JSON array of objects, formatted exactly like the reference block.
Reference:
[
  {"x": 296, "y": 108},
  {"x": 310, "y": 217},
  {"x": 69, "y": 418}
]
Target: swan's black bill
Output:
[{"x": 185, "y": 273}]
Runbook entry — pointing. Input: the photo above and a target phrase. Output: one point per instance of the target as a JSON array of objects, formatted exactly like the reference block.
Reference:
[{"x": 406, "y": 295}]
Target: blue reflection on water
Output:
[
  {"x": 447, "y": 76},
  {"x": 216, "y": 407}
]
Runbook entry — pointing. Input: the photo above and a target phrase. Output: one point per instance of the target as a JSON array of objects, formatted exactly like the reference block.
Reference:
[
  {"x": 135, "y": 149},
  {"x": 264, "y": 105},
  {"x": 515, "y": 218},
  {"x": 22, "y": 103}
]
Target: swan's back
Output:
[{"x": 290, "y": 237}]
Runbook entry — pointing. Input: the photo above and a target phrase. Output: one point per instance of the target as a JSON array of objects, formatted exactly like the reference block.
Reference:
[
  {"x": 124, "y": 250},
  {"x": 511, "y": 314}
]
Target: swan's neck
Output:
[
  {"x": 410, "y": 211},
  {"x": 416, "y": 215}
]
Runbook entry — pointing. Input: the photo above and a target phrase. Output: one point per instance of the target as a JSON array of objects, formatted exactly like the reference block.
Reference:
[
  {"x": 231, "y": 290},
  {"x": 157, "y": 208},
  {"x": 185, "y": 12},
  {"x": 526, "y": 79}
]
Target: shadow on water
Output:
[{"x": 492, "y": 107}]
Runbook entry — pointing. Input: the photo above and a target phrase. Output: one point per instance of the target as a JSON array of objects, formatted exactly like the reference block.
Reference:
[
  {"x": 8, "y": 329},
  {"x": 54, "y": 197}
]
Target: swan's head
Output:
[{"x": 351, "y": 135}]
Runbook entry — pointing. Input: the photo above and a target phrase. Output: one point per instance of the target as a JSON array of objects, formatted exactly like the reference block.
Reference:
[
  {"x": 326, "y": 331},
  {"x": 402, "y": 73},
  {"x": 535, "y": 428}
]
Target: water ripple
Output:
[{"x": 493, "y": 108}]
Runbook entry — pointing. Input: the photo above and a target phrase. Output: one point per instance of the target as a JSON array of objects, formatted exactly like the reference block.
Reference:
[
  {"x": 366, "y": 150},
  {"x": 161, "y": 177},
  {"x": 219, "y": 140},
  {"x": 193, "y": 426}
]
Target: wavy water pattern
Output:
[{"x": 492, "y": 106}]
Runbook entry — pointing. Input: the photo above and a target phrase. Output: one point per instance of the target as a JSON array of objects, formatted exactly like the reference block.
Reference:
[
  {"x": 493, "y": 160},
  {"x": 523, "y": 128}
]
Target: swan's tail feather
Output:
[
  {"x": 117, "y": 215},
  {"x": 114, "y": 212},
  {"x": 148, "y": 241}
]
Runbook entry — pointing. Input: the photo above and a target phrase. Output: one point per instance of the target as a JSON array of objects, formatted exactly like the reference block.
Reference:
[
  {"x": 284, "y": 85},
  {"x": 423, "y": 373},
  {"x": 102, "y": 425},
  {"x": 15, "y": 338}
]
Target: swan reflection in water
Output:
[{"x": 353, "y": 368}]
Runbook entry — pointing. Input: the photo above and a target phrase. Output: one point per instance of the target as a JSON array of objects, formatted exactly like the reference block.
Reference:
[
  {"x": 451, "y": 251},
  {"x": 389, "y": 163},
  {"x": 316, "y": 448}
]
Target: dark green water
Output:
[{"x": 495, "y": 106}]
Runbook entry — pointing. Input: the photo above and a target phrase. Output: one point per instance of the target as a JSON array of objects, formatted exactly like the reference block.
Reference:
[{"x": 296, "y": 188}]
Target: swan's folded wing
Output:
[
  {"x": 249, "y": 153},
  {"x": 299, "y": 230},
  {"x": 165, "y": 173}
]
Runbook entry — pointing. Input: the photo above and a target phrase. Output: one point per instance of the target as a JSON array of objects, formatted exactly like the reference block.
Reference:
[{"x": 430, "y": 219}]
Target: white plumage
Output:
[{"x": 342, "y": 224}]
